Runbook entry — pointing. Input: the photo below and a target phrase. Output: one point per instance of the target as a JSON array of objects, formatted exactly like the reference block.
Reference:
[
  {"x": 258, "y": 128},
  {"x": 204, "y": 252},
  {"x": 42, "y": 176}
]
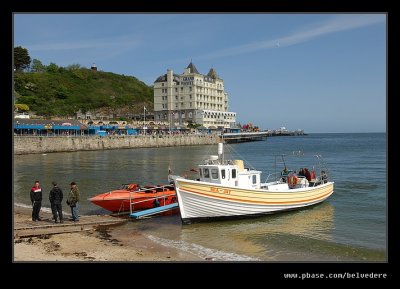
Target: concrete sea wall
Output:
[{"x": 44, "y": 144}]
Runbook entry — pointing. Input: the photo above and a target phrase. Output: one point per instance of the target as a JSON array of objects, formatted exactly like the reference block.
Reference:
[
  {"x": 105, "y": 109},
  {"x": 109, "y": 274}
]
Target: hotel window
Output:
[
  {"x": 181, "y": 88},
  {"x": 176, "y": 97},
  {"x": 176, "y": 89},
  {"x": 190, "y": 88},
  {"x": 162, "y": 84}
]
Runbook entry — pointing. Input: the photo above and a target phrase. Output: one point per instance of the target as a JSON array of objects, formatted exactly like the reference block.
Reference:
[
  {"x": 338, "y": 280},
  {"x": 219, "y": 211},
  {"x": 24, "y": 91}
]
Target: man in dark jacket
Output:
[
  {"x": 73, "y": 201},
  {"x": 36, "y": 199},
  {"x": 56, "y": 197}
]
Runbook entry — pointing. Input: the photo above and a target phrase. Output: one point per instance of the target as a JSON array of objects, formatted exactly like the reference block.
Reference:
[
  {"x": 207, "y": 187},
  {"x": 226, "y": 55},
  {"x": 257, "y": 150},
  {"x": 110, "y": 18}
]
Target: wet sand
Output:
[{"x": 88, "y": 246}]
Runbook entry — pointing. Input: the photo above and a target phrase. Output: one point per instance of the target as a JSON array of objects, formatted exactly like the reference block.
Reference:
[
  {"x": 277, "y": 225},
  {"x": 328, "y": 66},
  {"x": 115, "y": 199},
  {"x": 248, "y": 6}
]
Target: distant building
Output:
[
  {"x": 24, "y": 115},
  {"x": 93, "y": 67},
  {"x": 93, "y": 115},
  {"x": 97, "y": 115},
  {"x": 192, "y": 96}
]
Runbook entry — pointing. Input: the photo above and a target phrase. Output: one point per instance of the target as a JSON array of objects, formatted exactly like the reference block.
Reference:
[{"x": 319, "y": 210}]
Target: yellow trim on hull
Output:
[{"x": 311, "y": 194}]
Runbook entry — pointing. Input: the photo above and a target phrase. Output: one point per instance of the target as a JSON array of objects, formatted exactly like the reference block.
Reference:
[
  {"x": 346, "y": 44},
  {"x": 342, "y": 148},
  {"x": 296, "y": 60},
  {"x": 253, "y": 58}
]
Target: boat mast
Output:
[{"x": 221, "y": 152}]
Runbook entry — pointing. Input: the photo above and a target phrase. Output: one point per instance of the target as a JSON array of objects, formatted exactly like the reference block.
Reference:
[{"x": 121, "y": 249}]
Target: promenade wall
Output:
[{"x": 47, "y": 144}]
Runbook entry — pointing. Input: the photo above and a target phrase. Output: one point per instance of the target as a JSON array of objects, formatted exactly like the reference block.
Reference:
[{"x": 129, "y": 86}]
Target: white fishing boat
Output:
[{"x": 226, "y": 189}]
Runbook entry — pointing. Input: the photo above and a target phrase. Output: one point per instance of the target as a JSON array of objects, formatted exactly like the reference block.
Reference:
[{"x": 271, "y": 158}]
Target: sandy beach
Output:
[{"x": 89, "y": 246}]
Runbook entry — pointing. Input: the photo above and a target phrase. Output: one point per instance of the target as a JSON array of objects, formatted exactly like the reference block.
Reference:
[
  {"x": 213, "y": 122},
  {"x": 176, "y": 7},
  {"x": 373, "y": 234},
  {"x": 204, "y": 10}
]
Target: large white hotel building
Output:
[{"x": 192, "y": 96}]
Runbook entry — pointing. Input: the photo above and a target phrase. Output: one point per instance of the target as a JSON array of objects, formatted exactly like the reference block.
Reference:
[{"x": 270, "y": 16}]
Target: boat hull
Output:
[
  {"x": 199, "y": 200},
  {"x": 119, "y": 200}
]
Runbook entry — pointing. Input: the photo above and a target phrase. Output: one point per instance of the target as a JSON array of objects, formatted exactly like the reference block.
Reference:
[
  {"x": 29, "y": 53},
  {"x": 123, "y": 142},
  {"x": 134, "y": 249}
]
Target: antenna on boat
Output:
[{"x": 283, "y": 160}]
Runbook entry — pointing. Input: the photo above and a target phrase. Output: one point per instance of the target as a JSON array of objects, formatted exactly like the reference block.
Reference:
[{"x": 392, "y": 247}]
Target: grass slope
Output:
[{"x": 65, "y": 91}]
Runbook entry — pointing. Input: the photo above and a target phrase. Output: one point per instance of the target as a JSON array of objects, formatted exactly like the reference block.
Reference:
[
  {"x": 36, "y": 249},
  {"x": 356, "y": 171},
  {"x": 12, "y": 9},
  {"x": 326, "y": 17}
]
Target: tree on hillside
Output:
[
  {"x": 22, "y": 60},
  {"x": 20, "y": 107},
  {"x": 73, "y": 66},
  {"x": 37, "y": 66},
  {"x": 52, "y": 67}
]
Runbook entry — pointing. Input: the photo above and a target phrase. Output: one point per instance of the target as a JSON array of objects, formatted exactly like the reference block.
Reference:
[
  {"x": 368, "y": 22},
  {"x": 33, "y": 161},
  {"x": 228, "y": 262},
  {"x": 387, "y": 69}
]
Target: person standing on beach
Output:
[
  {"x": 56, "y": 197},
  {"x": 36, "y": 199},
  {"x": 73, "y": 200}
]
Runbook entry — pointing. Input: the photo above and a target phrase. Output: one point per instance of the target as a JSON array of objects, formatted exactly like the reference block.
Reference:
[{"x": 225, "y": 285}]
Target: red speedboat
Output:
[{"x": 141, "y": 198}]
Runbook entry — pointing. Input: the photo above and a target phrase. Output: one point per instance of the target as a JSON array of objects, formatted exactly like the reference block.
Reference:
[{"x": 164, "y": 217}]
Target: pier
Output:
[
  {"x": 284, "y": 132},
  {"x": 244, "y": 136}
]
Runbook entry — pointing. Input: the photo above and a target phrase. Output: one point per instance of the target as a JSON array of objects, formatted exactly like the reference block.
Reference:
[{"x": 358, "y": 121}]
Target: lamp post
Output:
[{"x": 144, "y": 120}]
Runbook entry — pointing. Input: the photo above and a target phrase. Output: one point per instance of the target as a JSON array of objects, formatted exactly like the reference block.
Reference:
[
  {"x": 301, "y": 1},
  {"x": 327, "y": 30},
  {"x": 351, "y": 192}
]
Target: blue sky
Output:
[{"x": 318, "y": 72}]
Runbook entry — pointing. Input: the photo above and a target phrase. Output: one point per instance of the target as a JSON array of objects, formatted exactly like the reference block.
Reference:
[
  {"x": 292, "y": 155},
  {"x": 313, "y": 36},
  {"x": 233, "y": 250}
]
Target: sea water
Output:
[{"x": 349, "y": 226}]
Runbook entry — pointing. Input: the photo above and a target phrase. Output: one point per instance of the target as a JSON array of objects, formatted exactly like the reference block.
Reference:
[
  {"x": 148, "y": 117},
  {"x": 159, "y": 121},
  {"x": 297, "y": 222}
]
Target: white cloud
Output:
[{"x": 337, "y": 24}]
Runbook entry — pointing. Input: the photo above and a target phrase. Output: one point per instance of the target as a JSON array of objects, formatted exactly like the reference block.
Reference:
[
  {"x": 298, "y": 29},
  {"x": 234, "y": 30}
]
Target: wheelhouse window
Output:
[
  {"x": 223, "y": 174},
  {"x": 214, "y": 174},
  {"x": 201, "y": 173},
  {"x": 206, "y": 173},
  {"x": 234, "y": 174},
  {"x": 254, "y": 179}
]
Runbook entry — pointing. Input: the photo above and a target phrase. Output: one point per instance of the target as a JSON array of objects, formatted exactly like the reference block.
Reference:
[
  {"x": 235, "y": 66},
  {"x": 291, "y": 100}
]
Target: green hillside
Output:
[{"x": 64, "y": 91}]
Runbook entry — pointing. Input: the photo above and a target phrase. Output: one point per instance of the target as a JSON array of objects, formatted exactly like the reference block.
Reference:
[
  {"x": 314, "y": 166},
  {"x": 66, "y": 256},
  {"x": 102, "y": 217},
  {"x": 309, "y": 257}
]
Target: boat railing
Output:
[
  {"x": 165, "y": 188},
  {"x": 274, "y": 177},
  {"x": 279, "y": 176}
]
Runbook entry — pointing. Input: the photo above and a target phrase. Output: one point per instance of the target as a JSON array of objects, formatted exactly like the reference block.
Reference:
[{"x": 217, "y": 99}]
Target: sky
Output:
[{"x": 317, "y": 72}]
